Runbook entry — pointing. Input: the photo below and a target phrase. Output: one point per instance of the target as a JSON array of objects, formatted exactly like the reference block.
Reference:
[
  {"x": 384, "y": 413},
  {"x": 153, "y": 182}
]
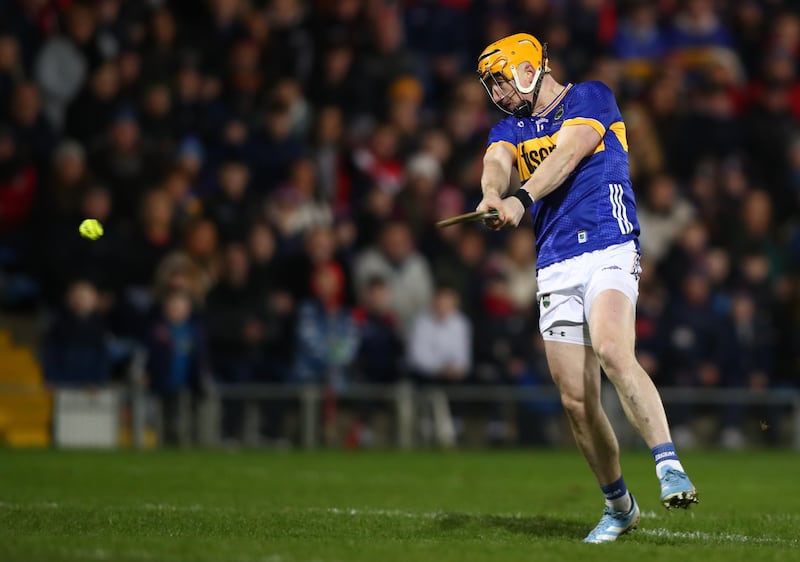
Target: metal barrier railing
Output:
[{"x": 405, "y": 400}]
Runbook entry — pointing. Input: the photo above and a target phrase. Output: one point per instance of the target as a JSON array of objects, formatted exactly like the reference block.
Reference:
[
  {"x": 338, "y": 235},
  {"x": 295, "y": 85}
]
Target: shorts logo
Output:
[
  {"x": 546, "y": 300},
  {"x": 636, "y": 270},
  {"x": 581, "y": 236}
]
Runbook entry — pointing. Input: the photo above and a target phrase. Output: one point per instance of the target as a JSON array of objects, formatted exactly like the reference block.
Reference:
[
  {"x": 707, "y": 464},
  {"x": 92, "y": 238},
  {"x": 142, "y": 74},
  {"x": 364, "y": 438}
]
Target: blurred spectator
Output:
[
  {"x": 75, "y": 350},
  {"x": 645, "y": 156},
  {"x": 687, "y": 254},
  {"x": 508, "y": 350},
  {"x": 698, "y": 24},
  {"x": 63, "y": 62},
  {"x": 93, "y": 109},
  {"x": 464, "y": 269},
  {"x": 162, "y": 46},
  {"x": 190, "y": 110},
  {"x": 67, "y": 177},
  {"x": 666, "y": 106},
  {"x": 297, "y": 263},
  {"x": 293, "y": 45},
  {"x": 591, "y": 27},
  {"x": 405, "y": 111},
  {"x": 129, "y": 65},
  {"x": 278, "y": 316},
  {"x": 328, "y": 146},
  {"x": 700, "y": 350},
  {"x": 639, "y": 41},
  {"x": 749, "y": 30},
  {"x": 372, "y": 212},
  {"x": 188, "y": 207},
  {"x": 753, "y": 233},
  {"x": 278, "y": 147},
  {"x": 190, "y": 159},
  {"x": 177, "y": 361},
  {"x": 339, "y": 82},
  {"x": 235, "y": 332},
  {"x": 517, "y": 263},
  {"x": 262, "y": 249},
  {"x": 770, "y": 127},
  {"x": 244, "y": 77},
  {"x": 663, "y": 216},
  {"x": 178, "y": 272},
  {"x": 202, "y": 245},
  {"x": 416, "y": 201},
  {"x": 430, "y": 35},
  {"x": 157, "y": 122},
  {"x": 650, "y": 309},
  {"x": 395, "y": 258},
  {"x": 377, "y": 163},
  {"x": 501, "y": 333},
  {"x": 327, "y": 336},
  {"x": 232, "y": 205},
  {"x": 11, "y": 68},
  {"x": 19, "y": 183},
  {"x": 153, "y": 239},
  {"x": 34, "y": 134},
  {"x": 294, "y": 207},
  {"x": 125, "y": 164},
  {"x": 386, "y": 59},
  {"x": 381, "y": 351},
  {"x": 755, "y": 344},
  {"x": 440, "y": 341},
  {"x": 712, "y": 111}
]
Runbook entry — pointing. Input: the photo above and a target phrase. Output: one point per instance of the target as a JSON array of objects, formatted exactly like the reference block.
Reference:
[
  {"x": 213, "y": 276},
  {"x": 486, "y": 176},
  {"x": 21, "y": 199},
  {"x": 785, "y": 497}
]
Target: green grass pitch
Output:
[{"x": 337, "y": 506}]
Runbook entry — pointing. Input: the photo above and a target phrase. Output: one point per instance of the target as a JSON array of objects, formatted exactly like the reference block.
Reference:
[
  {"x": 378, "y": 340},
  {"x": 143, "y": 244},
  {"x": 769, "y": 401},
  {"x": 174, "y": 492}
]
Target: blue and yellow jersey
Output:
[{"x": 594, "y": 208}]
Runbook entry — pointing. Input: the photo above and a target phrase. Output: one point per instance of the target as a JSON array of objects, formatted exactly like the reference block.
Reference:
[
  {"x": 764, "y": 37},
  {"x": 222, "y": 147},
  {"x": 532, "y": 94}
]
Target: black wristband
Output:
[{"x": 524, "y": 197}]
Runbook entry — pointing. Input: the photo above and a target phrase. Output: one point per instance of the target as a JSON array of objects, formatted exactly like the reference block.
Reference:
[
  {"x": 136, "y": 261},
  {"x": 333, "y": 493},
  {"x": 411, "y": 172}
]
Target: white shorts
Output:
[{"x": 568, "y": 288}]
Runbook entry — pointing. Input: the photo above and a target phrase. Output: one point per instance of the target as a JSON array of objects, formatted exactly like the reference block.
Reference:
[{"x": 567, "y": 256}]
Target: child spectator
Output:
[
  {"x": 75, "y": 347},
  {"x": 177, "y": 361}
]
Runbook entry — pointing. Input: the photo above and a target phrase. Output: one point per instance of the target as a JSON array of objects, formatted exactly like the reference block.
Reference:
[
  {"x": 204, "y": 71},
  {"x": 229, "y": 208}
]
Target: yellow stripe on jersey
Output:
[
  {"x": 593, "y": 123},
  {"x": 618, "y": 129},
  {"x": 507, "y": 144}
]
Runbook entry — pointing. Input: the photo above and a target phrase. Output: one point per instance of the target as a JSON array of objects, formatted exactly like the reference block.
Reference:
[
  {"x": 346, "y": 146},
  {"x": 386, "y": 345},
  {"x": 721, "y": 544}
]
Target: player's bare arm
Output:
[
  {"x": 575, "y": 142},
  {"x": 495, "y": 179}
]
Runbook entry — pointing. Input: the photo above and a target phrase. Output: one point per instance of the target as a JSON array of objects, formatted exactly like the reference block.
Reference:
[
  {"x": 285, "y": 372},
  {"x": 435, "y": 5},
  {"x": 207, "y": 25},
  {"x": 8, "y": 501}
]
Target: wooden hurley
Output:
[{"x": 467, "y": 217}]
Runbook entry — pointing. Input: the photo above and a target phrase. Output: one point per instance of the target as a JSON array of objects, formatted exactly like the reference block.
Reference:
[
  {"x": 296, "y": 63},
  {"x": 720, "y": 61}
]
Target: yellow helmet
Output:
[{"x": 501, "y": 60}]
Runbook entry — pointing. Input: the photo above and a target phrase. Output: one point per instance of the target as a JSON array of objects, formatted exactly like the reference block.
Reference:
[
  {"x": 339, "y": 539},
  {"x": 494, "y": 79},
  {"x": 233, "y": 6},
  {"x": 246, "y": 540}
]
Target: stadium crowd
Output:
[{"x": 269, "y": 172}]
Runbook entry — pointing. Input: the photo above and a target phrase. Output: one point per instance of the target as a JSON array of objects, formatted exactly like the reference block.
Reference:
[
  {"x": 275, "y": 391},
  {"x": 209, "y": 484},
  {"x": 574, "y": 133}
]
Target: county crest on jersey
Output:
[{"x": 595, "y": 207}]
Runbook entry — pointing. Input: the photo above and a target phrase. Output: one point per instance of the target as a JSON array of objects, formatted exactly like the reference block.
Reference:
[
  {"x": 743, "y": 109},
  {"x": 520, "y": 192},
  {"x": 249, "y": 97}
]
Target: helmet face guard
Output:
[{"x": 499, "y": 65}]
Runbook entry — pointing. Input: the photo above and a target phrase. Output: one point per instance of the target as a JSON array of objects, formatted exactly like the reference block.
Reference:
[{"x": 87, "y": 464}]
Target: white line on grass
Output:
[
  {"x": 664, "y": 533},
  {"x": 724, "y": 537},
  {"x": 138, "y": 554},
  {"x": 369, "y": 512}
]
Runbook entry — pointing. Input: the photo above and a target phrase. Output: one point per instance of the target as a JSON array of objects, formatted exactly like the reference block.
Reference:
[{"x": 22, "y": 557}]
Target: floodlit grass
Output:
[{"x": 382, "y": 506}]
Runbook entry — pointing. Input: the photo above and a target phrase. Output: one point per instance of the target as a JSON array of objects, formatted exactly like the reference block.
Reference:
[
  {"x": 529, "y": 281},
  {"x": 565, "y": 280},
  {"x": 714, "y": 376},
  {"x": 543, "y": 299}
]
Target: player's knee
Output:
[
  {"x": 613, "y": 357},
  {"x": 575, "y": 408}
]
